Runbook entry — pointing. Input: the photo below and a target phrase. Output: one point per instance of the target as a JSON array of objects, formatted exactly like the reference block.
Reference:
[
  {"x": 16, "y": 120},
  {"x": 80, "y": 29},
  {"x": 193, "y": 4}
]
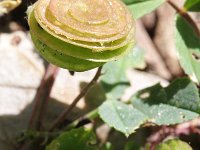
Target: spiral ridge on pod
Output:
[{"x": 89, "y": 31}]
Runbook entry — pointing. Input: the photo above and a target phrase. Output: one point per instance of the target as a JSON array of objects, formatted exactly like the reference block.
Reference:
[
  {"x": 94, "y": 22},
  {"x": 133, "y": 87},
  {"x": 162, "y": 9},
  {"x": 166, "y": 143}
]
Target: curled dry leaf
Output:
[{"x": 8, "y": 5}]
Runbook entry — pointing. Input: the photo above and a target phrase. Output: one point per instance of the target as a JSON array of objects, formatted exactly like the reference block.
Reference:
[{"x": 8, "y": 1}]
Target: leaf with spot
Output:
[
  {"x": 177, "y": 103},
  {"x": 75, "y": 139},
  {"x": 188, "y": 48},
  {"x": 122, "y": 117},
  {"x": 173, "y": 144}
]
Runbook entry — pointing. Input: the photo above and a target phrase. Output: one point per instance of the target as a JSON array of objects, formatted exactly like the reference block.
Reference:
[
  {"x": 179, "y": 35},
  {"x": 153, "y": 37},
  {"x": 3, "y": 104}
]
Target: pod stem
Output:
[
  {"x": 183, "y": 12},
  {"x": 41, "y": 98},
  {"x": 66, "y": 112},
  {"x": 90, "y": 116}
]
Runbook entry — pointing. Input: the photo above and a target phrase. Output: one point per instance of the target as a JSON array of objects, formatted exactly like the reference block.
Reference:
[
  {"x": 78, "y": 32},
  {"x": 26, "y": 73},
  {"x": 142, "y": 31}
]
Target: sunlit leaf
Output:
[
  {"x": 122, "y": 117},
  {"x": 188, "y": 48},
  {"x": 177, "y": 103},
  {"x": 142, "y": 8},
  {"x": 76, "y": 139},
  {"x": 128, "y": 2},
  {"x": 192, "y": 5},
  {"x": 173, "y": 144}
]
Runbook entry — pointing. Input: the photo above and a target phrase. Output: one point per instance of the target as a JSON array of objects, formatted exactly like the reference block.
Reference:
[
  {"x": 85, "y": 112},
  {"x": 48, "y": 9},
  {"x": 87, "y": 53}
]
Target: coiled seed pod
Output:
[{"x": 81, "y": 34}]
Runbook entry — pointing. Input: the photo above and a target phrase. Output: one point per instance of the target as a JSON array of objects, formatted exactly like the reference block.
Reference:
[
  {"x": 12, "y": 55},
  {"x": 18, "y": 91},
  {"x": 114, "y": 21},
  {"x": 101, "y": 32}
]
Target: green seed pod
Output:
[{"x": 81, "y": 34}]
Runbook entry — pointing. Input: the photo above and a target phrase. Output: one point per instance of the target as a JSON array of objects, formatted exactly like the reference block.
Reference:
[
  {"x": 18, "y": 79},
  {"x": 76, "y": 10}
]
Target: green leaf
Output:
[
  {"x": 114, "y": 82},
  {"x": 128, "y": 2},
  {"x": 132, "y": 146},
  {"x": 122, "y": 117},
  {"x": 192, "y": 5},
  {"x": 177, "y": 103},
  {"x": 114, "y": 79},
  {"x": 173, "y": 144},
  {"x": 183, "y": 93},
  {"x": 142, "y": 7},
  {"x": 76, "y": 139},
  {"x": 188, "y": 48},
  {"x": 107, "y": 146}
]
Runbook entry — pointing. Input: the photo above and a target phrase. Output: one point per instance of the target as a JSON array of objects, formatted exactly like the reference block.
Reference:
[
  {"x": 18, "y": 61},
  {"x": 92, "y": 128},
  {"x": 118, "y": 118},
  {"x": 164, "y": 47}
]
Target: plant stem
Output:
[
  {"x": 38, "y": 134},
  {"x": 42, "y": 97},
  {"x": 184, "y": 14},
  {"x": 66, "y": 112},
  {"x": 91, "y": 115}
]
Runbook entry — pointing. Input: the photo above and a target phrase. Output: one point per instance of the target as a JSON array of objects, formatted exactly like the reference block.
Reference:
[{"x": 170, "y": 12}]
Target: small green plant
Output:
[{"x": 97, "y": 40}]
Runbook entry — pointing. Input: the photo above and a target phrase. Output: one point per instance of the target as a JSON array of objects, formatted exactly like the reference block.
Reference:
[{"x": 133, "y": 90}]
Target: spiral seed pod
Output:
[{"x": 81, "y": 34}]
